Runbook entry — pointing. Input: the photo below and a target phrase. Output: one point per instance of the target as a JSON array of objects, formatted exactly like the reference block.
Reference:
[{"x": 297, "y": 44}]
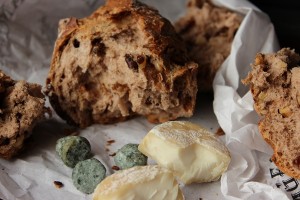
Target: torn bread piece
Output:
[
  {"x": 275, "y": 86},
  {"x": 21, "y": 107},
  {"x": 208, "y": 31}
]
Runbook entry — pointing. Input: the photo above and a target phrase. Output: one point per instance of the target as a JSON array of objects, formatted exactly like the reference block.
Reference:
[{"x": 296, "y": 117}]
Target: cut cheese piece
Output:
[
  {"x": 149, "y": 182},
  {"x": 190, "y": 151}
]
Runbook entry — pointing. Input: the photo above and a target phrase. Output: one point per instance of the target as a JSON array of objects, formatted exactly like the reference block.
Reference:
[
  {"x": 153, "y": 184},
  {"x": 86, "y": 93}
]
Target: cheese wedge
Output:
[
  {"x": 191, "y": 152},
  {"x": 149, "y": 182}
]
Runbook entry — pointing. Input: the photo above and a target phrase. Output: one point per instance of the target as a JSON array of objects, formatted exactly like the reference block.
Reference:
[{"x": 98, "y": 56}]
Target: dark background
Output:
[{"x": 285, "y": 15}]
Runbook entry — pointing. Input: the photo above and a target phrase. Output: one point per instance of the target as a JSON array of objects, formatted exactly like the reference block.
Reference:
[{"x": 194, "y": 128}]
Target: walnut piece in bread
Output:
[
  {"x": 21, "y": 107},
  {"x": 208, "y": 32},
  {"x": 275, "y": 85},
  {"x": 123, "y": 60}
]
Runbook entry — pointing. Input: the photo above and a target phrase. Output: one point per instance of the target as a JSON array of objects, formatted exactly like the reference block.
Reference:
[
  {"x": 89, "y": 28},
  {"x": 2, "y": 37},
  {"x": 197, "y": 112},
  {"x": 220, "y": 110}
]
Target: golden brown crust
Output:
[
  {"x": 275, "y": 86},
  {"x": 123, "y": 60},
  {"x": 21, "y": 107}
]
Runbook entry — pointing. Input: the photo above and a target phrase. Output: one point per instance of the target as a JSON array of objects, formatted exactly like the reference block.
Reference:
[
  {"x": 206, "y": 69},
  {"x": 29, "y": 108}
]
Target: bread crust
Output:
[
  {"x": 121, "y": 61},
  {"x": 275, "y": 85}
]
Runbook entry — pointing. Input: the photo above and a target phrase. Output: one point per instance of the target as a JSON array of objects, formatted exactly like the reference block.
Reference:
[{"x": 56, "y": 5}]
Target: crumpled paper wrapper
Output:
[{"x": 28, "y": 29}]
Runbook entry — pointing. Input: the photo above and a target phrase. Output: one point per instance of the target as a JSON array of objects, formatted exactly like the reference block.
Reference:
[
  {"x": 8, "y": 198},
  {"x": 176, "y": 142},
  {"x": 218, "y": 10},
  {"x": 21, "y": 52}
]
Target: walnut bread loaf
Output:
[
  {"x": 123, "y": 60},
  {"x": 21, "y": 107},
  {"x": 275, "y": 85},
  {"x": 208, "y": 31}
]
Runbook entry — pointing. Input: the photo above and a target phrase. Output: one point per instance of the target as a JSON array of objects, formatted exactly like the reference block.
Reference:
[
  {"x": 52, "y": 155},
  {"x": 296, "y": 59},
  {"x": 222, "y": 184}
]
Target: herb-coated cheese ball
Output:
[
  {"x": 129, "y": 156},
  {"x": 88, "y": 174},
  {"x": 72, "y": 149}
]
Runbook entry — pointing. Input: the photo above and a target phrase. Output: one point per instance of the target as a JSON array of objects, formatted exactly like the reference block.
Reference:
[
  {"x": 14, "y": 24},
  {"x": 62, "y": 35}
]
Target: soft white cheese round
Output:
[
  {"x": 191, "y": 152},
  {"x": 150, "y": 182}
]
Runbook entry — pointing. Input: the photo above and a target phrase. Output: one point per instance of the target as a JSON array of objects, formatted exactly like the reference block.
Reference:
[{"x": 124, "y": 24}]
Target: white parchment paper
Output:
[{"x": 28, "y": 29}]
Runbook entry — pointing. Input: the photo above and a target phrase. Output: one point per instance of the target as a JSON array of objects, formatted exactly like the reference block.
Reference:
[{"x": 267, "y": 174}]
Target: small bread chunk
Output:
[
  {"x": 190, "y": 151},
  {"x": 88, "y": 174},
  {"x": 21, "y": 108},
  {"x": 208, "y": 32},
  {"x": 72, "y": 149},
  {"x": 149, "y": 182},
  {"x": 129, "y": 156},
  {"x": 123, "y": 60},
  {"x": 275, "y": 85}
]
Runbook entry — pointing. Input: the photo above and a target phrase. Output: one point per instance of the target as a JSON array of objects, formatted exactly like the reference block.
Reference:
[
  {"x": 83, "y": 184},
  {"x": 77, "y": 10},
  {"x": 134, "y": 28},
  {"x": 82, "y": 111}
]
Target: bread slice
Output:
[
  {"x": 208, "y": 32},
  {"x": 123, "y": 60},
  {"x": 275, "y": 85},
  {"x": 21, "y": 107}
]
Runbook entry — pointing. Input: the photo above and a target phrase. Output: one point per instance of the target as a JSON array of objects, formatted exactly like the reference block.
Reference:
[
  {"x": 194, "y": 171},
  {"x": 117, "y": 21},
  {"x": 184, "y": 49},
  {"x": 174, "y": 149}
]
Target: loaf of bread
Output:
[
  {"x": 208, "y": 32},
  {"x": 21, "y": 107},
  {"x": 123, "y": 60},
  {"x": 275, "y": 85}
]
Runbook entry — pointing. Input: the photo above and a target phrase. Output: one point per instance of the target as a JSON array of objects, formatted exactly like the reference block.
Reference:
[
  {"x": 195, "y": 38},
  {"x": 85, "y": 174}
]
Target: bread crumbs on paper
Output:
[{"x": 58, "y": 184}]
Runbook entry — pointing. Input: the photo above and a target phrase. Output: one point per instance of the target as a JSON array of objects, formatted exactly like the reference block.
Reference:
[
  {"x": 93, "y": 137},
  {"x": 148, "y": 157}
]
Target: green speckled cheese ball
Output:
[
  {"x": 88, "y": 174},
  {"x": 72, "y": 149},
  {"x": 129, "y": 156}
]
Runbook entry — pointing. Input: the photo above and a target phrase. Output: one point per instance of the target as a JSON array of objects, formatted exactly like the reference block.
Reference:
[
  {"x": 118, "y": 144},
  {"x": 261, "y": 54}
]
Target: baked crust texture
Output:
[{"x": 123, "y": 60}]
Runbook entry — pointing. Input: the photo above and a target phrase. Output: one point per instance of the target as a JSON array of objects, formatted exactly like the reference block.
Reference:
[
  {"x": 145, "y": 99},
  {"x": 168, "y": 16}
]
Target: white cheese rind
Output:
[
  {"x": 191, "y": 152},
  {"x": 139, "y": 183}
]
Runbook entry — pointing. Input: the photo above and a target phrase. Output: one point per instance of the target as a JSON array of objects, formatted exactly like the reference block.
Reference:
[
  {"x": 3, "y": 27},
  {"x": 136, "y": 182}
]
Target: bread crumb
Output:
[
  {"x": 113, "y": 154},
  {"x": 58, "y": 184},
  {"x": 109, "y": 142},
  {"x": 115, "y": 168},
  {"x": 219, "y": 132}
]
